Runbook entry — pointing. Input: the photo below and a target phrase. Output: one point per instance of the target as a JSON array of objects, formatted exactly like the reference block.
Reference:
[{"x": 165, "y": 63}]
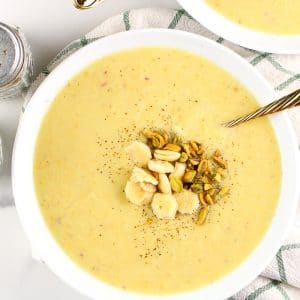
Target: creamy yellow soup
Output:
[
  {"x": 81, "y": 169},
  {"x": 273, "y": 16}
]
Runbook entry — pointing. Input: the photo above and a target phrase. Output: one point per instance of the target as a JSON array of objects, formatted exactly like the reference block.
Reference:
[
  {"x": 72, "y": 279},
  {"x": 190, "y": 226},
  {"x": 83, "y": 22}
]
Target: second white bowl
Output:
[{"x": 238, "y": 34}]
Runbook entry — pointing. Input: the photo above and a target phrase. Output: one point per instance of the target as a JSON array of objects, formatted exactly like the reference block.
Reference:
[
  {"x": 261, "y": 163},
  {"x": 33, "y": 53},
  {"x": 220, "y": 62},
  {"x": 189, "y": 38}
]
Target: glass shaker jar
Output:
[
  {"x": 1, "y": 155},
  {"x": 15, "y": 62}
]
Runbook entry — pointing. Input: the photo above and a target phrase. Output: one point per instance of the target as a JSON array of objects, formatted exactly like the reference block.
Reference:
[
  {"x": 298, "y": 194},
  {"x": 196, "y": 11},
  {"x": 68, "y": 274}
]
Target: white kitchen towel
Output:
[{"x": 281, "y": 279}]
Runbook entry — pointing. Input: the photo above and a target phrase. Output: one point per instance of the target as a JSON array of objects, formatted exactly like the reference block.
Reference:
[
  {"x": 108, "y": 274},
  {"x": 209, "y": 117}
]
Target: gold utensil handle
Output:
[
  {"x": 86, "y": 4},
  {"x": 285, "y": 102}
]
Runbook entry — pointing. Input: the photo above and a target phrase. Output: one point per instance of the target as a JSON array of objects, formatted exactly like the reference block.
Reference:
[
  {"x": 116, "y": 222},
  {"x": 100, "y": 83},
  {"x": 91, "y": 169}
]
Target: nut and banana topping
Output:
[
  {"x": 175, "y": 176},
  {"x": 136, "y": 194},
  {"x": 164, "y": 206},
  {"x": 164, "y": 184},
  {"x": 139, "y": 153},
  {"x": 160, "y": 166},
  {"x": 142, "y": 175},
  {"x": 166, "y": 155},
  {"x": 188, "y": 202}
]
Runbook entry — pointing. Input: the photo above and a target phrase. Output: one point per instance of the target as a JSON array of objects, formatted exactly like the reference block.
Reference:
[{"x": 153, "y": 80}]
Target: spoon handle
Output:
[
  {"x": 85, "y": 4},
  {"x": 283, "y": 103}
]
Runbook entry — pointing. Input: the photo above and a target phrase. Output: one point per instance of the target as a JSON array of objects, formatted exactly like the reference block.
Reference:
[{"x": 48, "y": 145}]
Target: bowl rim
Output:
[
  {"x": 43, "y": 243},
  {"x": 238, "y": 34}
]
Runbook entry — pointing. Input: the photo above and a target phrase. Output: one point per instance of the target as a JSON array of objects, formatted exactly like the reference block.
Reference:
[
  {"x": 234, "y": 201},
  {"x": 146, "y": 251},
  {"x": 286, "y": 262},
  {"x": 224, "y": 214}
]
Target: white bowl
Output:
[
  {"x": 43, "y": 244},
  {"x": 231, "y": 31}
]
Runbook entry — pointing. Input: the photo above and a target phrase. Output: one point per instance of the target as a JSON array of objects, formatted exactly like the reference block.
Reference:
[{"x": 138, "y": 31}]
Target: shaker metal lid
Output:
[{"x": 11, "y": 54}]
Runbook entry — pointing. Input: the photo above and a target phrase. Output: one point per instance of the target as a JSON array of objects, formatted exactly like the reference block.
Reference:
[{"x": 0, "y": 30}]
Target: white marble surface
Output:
[{"x": 49, "y": 25}]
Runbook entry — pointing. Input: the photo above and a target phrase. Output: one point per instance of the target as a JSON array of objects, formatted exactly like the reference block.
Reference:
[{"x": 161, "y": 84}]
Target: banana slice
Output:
[
  {"x": 166, "y": 155},
  {"x": 164, "y": 206},
  {"x": 136, "y": 195},
  {"x": 160, "y": 166},
  {"x": 141, "y": 175},
  {"x": 188, "y": 202},
  {"x": 179, "y": 170},
  {"x": 139, "y": 153},
  {"x": 164, "y": 184},
  {"x": 148, "y": 187}
]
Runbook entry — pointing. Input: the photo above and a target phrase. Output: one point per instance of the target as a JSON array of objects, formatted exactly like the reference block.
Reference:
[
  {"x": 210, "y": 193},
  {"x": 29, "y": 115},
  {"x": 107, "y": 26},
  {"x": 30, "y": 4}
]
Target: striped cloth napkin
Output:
[{"x": 281, "y": 279}]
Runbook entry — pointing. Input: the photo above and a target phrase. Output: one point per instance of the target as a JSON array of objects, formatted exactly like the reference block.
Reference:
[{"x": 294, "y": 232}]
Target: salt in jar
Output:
[{"x": 15, "y": 62}]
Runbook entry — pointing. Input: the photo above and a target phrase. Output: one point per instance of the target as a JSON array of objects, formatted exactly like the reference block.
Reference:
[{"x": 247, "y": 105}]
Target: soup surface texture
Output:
[
  {"x": 272, "y": 16},
  {"x": 81, "y": 169}
]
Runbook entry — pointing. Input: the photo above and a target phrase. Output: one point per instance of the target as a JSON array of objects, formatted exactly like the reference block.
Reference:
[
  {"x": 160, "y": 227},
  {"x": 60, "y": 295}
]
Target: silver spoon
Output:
[{"x": 289, "y": 101}]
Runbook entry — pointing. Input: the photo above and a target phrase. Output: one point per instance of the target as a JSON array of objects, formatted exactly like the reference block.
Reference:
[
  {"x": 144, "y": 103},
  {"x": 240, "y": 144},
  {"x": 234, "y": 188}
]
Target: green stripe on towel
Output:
[{"x": 126, "y": 20}]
